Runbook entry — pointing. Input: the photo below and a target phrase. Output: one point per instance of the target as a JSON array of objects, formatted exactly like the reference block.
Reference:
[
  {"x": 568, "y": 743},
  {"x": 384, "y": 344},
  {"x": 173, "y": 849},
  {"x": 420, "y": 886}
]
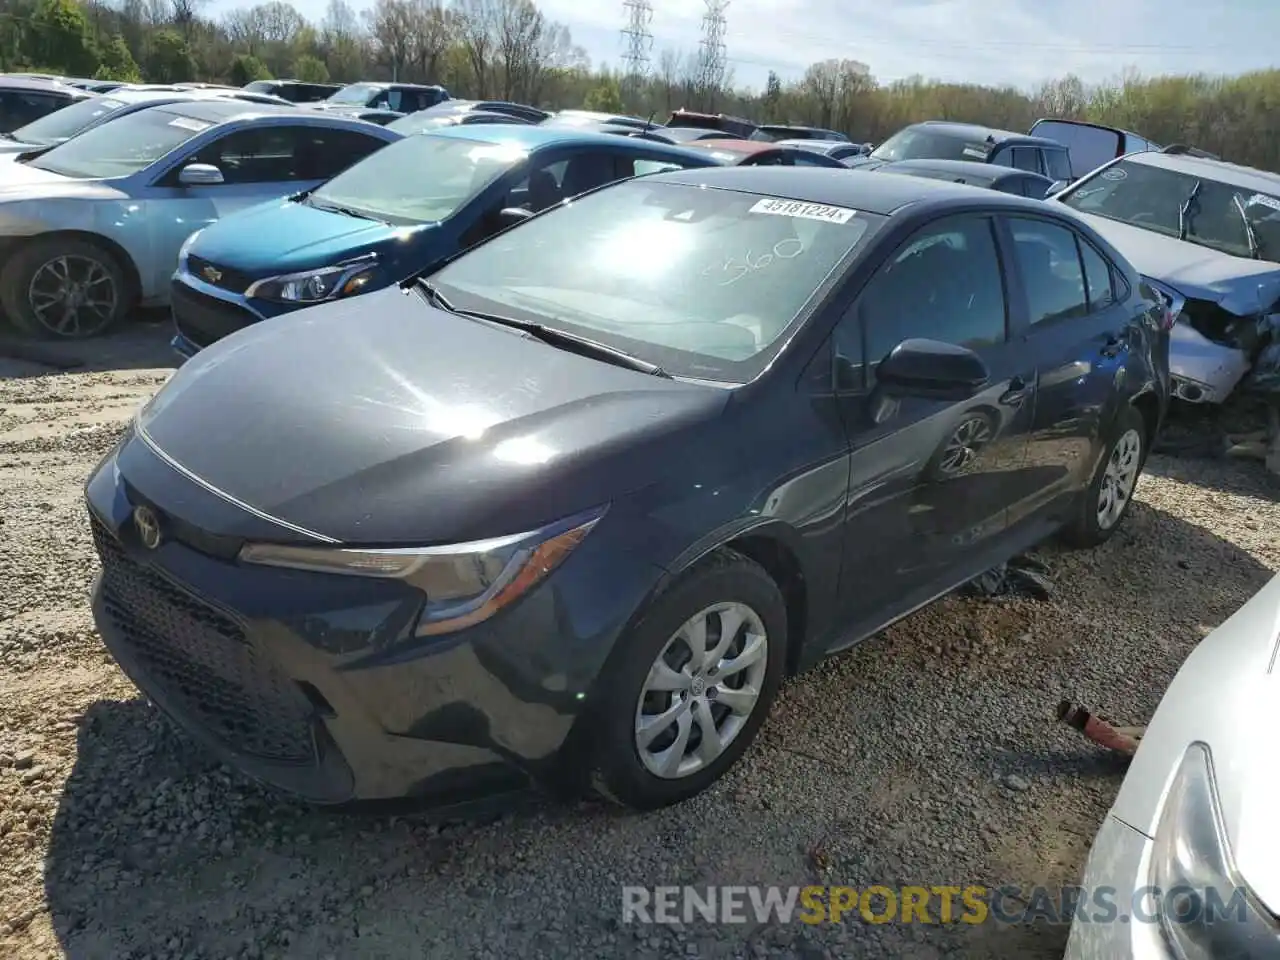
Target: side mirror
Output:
[
  {"x": 510, "y": 216},
  {"x": 934, "y": 369},
  {"x": 1057, "y": 187},
  {"x": 200, "y": 175}
]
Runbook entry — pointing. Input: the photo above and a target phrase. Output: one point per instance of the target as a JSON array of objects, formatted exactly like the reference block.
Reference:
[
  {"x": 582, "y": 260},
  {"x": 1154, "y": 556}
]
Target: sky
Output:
[{"x": 1017, "y": 42}]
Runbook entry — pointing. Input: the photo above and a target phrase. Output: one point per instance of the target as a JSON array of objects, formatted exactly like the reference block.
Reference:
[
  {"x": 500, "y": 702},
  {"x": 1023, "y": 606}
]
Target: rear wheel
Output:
[
  {"x": 694, "y": 684},
  {"x": 1104, "y": 505},
  {"x": 64, "y": 288}
]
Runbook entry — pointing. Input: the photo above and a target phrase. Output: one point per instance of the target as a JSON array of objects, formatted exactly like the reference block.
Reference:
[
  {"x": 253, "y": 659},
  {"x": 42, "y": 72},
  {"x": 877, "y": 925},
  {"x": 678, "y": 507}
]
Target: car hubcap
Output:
[
  {"x": 1119, "y": 478},
  {"x": 970, "y": 437},
  {"x": 72, "y": 296},
  {"x": 702, "y": 690}
]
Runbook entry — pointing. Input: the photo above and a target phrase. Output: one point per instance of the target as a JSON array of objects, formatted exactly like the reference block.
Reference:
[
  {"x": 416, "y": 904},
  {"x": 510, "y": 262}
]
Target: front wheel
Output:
[
  {"x": 693, "y": 684},
  {"x": 1104, "y": 504},
  {"x": 64, "y": 288}
]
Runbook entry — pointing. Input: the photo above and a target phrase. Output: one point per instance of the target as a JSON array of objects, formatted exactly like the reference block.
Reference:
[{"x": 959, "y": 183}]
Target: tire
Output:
[
  {"x": 726, "y": 580},
  {"x": 96, "y": 274},
  {"x": 1089, "y": 528}
]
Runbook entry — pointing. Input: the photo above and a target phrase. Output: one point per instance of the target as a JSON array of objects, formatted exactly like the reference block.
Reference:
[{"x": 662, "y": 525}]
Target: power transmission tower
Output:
[
  {"x": 639, "y": 41},
  {"x": 712, "y": 61}
]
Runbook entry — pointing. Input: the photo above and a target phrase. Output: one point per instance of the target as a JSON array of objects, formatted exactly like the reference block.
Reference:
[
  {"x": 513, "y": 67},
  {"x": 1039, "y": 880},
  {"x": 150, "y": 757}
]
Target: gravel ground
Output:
[{"x": 928, "y": 755}]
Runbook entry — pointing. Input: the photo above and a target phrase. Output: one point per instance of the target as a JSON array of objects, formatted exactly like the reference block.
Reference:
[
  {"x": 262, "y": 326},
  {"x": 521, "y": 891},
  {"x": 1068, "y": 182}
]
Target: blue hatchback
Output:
[{"x": 398, "y": 212}]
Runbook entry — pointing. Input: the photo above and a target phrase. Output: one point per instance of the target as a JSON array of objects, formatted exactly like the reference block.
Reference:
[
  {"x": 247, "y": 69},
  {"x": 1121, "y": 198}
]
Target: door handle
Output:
[
  {"x": 1112, "y": 345},
  {"x": 1016, "y": 393}
]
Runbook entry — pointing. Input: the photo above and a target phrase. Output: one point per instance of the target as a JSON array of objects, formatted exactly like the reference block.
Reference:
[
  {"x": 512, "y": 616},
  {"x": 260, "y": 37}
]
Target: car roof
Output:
[
  {"x": 961, "y": 168},
  {"x": 1247, "y": 178},
  {"x": 41, "y": 85},
  {"x": 224, "y": 109},
  {"x": 840, "y": 187},
  {"x": 744, "y": 147},
  {"x": 142, "y": 94},
  {"x": 978, "y": 132},
  {"x": 809, "y": 143},
  {"x": 535, "y": 137}
]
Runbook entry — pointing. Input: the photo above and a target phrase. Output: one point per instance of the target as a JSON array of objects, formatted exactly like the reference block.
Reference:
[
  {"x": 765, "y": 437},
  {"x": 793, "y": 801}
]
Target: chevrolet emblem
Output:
[{"x": 211, "y": 273}]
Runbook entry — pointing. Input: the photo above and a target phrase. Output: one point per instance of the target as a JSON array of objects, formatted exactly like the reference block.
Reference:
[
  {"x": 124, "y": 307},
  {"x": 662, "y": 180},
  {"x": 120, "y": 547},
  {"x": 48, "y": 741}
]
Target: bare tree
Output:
[
  {"x": 477, "y": 22},
  {"x": 521, "y": 29},
  {"x": 430, "y": 34},
  {"x": 389, "y": 25}
]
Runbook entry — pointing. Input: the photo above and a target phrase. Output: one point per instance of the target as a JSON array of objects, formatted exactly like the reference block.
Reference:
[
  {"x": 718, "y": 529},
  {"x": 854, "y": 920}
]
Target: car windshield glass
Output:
[
  {"x": 424, "y": 120},
  {"x": 357, "y": 94},
  {"x": 919, "y": 143},
  {"x": 1150, "y": 197},
  {"x": 67, "y": 122},
  {"x": 419, "y": 179},
  {"x": 706, "y": 283},
  {"x": 261, "y": 86},
  {"x": 122, "y": 146}
]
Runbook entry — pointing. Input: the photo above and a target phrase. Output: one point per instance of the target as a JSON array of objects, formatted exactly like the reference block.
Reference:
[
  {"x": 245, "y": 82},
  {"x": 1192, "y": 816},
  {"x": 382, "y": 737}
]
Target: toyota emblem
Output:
[{"x": 148, "y": 525}]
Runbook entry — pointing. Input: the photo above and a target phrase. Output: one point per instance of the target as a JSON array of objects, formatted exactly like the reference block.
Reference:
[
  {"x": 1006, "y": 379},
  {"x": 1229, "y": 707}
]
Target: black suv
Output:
[
  {"x": 295, "y": 91},
  {"x": 943, "y": 140}
]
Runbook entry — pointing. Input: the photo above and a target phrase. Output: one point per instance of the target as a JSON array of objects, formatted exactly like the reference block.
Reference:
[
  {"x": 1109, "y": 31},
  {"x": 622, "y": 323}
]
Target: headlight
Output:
[
  {"x": 186, "y": 244},
  {"x": 1205, "y": 909},
  {"x": 316, "y": 286},
  {"x": 464, "y": 583}
]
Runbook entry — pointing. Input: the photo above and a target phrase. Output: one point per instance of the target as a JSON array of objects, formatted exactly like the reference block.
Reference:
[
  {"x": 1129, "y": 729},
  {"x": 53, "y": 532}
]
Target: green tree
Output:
[
  {"x": 59, "y": 38},
  {"x": 170, "y": 59},
  {"x": 118, "y": 63},
  {"x": 310, "y": 69},
  {"x": 246, "y": 68},
  {"x": 606, "y": 97}
]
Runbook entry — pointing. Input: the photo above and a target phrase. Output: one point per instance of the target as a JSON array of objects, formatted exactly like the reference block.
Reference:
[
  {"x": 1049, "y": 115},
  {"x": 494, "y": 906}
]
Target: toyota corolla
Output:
[{"x": 569, "y": 509}]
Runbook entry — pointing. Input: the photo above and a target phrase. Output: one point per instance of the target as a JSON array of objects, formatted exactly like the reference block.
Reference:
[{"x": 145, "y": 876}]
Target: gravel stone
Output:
[{"x": 928, "y": 755}]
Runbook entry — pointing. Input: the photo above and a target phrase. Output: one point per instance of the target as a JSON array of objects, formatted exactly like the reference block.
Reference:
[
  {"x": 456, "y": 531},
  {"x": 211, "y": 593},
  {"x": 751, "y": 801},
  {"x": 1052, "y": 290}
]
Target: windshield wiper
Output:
[
  {"x": 1248, "y": 227},
  {"x": 549, "y": 335},
  {"x": 311, "y": 201},
  {"x": 1184, "y": 209}
]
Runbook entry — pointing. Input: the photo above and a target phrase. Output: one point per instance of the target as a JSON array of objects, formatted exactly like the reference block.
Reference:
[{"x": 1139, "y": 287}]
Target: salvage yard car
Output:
[
  {"x": 1207, "y": 235},
  {"x": 571, "y": 507},
  {"x": 1190, "y": 839},
  {"x": 944, "y": 140},
  {"x": 396, "y": 213},
  {"x": 993, "y": 176},
  {"x": 762, "y": 153},
  {"x": 93, "y": 226}
]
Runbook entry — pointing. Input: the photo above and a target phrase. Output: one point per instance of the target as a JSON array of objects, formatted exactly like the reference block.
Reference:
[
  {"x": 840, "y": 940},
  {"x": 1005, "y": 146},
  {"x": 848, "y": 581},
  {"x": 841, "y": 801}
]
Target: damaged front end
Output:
[{"x": 1220, "y": 333}]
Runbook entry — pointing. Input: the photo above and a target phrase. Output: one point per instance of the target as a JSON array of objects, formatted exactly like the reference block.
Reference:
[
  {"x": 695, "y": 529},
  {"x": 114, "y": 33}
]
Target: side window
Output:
[
  {"x": 1050, "y": 264},
  {"x": 18, "y": 108},
  {"x": 1097, "y": 275},
  {"x": 1026, "y": 158},
  {"x": 945, "y": 284},
  {"x": 332, "y": 151},
  {"x": 640, "y": 166},
  {"x": 383, "y": 100},
  {"x": 540, "y": 189},
  {"x": 262, "y": 155},
  {"x": 768, "y": 160},
  {"x": 803, "y": 159},
  {"x": 1057, "y": 165}
]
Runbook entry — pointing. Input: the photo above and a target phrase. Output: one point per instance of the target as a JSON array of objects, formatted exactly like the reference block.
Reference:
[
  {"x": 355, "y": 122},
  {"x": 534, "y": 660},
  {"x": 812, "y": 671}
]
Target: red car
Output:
[{"x": 758, "y": 153}]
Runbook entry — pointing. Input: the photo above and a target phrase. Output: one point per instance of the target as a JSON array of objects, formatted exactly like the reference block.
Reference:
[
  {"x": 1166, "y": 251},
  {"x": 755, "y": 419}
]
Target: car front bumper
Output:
[
  {"x": 204, "y": 313},
  {"x": 314, "y": 683}
]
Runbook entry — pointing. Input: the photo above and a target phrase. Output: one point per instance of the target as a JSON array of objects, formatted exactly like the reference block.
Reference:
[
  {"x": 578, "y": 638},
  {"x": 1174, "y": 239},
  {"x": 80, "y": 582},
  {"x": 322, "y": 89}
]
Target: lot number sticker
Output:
[{"x": 806, "y": 211}]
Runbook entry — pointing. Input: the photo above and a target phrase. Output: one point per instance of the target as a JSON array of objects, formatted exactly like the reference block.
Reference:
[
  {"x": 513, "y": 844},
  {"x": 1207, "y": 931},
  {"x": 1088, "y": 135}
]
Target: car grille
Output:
[
  {"x": 201, "y": 662},
  {"x": 228, "y": 279},
  {"x": 203, "y": 319}
]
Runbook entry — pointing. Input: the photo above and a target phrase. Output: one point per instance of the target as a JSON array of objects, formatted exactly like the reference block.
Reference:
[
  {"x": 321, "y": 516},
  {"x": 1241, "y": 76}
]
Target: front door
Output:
[
  {"x": 930, "y": 480},
  {"x": 1077, "y": 333}
]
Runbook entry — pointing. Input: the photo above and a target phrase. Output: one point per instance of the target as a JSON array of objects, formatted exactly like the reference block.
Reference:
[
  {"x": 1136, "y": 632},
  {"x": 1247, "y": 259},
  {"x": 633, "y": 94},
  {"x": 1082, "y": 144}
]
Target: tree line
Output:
[{"x": 508, "y": 49}]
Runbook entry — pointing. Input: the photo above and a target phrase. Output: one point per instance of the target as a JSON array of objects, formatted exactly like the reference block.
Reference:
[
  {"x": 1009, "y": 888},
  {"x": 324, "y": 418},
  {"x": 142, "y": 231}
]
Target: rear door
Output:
[
  {"x": 1073, "y": 324},
  {"x": 930, "y": 480}
]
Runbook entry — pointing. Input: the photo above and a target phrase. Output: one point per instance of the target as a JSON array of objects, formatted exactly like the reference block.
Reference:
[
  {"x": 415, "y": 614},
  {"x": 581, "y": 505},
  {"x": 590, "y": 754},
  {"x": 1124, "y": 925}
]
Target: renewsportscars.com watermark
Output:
[{"x": 938, "y": 904}]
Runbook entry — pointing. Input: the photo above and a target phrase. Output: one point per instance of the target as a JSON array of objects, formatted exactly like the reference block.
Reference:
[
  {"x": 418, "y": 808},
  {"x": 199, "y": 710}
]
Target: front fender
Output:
[{"x": 120, "y": 221}]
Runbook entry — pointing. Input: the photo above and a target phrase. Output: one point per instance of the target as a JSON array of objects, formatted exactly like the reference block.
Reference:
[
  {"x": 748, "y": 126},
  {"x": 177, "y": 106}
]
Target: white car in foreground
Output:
[{"x": 1193, "y": 839}]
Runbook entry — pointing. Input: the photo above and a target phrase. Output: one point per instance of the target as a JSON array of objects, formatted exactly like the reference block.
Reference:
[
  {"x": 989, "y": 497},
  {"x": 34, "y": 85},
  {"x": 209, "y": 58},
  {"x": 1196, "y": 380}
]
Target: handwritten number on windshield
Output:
[{"x": 734, "y": 269}]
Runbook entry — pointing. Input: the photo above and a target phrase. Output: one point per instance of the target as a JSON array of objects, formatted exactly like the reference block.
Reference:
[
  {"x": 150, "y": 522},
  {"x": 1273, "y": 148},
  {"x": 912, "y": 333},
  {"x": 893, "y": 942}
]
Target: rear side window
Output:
[
  {"x": 640, "y": 167},
  {"x": 1049, "y": 261},
  {"x": 1098, "y": 277},
  {"x": 1026, "y": 158},
  {"x": 1057, "y": 164}
]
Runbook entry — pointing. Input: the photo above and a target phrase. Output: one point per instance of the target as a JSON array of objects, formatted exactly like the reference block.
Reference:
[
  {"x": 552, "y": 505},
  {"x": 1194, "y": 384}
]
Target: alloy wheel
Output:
[
  {"x": 701, "y": 690},
  {"x": 1119, "y": 478},
  {"x": 73, "y": 296}
]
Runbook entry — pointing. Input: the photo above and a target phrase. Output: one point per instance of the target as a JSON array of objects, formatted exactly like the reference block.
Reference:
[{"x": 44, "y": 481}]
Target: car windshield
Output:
[
  {"x": 121, "y": 146},
  {"x": 921, "y": 143},
  {"x": 707, "y": 283},
  {"x": 356, "y": 94},
  {"x": 419, "y": 179},
  {"x": 1234, "y": 220},
  {"x": 67, "y": 122}
]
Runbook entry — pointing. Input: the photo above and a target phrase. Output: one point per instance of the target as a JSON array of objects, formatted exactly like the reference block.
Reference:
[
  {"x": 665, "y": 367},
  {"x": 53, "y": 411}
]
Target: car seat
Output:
[
  {"x": 586, "y": 172},
  {"x": 543, "y": 191}
]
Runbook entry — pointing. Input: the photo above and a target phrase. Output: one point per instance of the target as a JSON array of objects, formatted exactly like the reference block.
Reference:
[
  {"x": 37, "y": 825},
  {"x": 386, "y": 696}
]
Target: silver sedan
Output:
[
  {"x": 1191, "y": 847},
  {"x": 92, "y": 227}
]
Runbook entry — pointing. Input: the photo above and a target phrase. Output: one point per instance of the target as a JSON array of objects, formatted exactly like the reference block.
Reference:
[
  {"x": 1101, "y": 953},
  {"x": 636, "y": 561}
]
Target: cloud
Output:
[{"x": 1018, "y": 42}]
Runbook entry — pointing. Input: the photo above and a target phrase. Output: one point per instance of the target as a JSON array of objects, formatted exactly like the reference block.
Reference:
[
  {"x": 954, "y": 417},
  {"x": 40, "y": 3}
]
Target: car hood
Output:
[
  {"x": 285, "y": 236},
  {"x": 1240, "y": 285},
  {"x": 21, "y": 181},
  {"x": 381, "y": 420},
  {"x": 1226, "y": 695}
]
